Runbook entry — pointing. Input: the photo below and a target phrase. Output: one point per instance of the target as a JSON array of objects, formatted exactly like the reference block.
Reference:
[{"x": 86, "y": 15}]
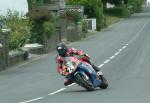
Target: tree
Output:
[
  {"x": 43, "y": 26},
  {"x": 93, "y": 9},
  {"x": 104, "y": 4}
]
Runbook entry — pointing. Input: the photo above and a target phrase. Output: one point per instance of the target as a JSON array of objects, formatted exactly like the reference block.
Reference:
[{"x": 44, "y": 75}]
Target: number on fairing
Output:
[
  {"x": 70, "y": 70},
  {"x": 70, "y": 67}
]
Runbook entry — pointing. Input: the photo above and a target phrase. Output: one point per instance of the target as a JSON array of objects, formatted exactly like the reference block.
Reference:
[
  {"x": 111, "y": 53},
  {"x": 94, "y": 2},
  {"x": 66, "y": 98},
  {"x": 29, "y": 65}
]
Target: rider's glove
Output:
[
  {"x": 64, "y": 72},
  {"x": 87, "y": 56}
]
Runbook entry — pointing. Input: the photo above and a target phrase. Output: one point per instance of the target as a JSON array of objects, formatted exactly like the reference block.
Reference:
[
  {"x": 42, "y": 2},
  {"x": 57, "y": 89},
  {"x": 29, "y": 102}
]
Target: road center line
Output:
[
  {"x": 127, "y": 44},
  {"x": 116, "y": 53},
  {"x": 71, "y": 85},
  {"x": 124, "y": 47},
  {"x": 106, "y": 61},
  {"x": 112, "y": 57},
  {"x": 32, "y": 100},
  {"x": 119, "y": 50},
  {"x": 101, "y": 65},
  {"x": 62, "y": 89},
  {"x": 137, "y": 34}
]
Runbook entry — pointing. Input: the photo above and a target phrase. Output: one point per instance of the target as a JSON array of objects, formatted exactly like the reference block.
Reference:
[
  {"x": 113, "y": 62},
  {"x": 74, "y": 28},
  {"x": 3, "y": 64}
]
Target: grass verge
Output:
[{"x": 112, "y": 19}]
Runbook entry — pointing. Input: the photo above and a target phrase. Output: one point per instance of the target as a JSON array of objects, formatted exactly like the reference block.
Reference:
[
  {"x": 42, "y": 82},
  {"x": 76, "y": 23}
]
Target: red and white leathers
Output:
[
  {"x": 71, "y": 51},
  {"x": 61, "y": 62}
]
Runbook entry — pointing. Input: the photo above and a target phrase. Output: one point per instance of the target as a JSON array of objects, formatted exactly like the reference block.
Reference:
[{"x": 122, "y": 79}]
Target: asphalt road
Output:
[{"x": 123, "y": 53}]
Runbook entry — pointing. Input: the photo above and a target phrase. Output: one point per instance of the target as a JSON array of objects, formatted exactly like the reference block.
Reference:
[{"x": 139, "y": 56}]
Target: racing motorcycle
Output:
[{"x": 83, "y": 74}]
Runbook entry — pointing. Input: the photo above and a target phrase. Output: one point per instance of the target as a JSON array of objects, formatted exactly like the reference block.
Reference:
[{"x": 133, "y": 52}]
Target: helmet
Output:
[{"x": 62, "y": 49}]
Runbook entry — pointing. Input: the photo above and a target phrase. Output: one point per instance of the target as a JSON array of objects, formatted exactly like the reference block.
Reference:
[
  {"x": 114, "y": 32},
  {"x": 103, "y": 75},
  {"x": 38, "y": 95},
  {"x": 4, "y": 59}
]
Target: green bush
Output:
[
  {"x": 73, "y": 15},
  {"x": 49, "y": 28},
  {"x": 121, "y": 11},
  {"x": 136, "y": 4},
  {"x": 41, "y": 28},
  {"x": 19, "y": 25},
  {"x": 84, "y": 26}
]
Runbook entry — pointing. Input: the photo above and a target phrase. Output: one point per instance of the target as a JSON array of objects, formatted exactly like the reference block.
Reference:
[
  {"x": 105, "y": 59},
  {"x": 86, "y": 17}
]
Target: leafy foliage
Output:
[
  {"x": 43, "y": 22},
  {"x": 73, "y": 15},
  {"x": 84, "y": 26},
  {"x": 20, "y": 32},
  {"x": 93, "y": 9},
  {"x": 42, "y": 27},
  {"x": 136, "y": 4},
  {"x": 121, "y": 11},
  {"x": 48, "y": 28}
]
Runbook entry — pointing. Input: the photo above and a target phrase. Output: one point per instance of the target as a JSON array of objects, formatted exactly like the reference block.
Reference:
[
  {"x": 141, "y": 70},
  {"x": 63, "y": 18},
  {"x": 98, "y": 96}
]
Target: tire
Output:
[
  {"x": 81, "y": 80},
  {"x": 104, "y": 84}
]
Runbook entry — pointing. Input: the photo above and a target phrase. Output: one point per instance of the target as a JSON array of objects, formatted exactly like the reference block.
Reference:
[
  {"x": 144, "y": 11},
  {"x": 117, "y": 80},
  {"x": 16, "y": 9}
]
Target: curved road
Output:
[{"x": 123, "y": 52}]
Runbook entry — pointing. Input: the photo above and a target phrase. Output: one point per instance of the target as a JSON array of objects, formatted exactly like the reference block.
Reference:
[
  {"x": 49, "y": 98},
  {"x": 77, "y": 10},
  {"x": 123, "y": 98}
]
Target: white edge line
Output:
[
  {"x": 62, "y": 89},
  {"x": 32, "y": 100}
]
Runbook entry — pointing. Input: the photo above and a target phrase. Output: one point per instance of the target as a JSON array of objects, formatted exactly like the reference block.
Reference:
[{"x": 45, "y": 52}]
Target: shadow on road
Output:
[{"x": 81, "y": 91}]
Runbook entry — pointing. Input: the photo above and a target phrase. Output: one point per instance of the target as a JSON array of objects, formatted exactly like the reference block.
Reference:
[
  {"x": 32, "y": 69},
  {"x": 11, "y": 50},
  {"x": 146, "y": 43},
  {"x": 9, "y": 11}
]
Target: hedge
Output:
[
  {"x": 121, "y": 11},
  {"x": 135, "y": 4}
]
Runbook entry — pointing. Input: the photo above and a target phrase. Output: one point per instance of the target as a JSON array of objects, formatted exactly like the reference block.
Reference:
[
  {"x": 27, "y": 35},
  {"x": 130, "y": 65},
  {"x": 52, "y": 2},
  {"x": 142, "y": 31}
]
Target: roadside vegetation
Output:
[
  {"x": 112, "y": 19},
  {"x": 24, "y": 29},
  {"x": 122, "y": 9},
  {"x": 93, "y": 9},
  {"x": 20, "y": 30}
]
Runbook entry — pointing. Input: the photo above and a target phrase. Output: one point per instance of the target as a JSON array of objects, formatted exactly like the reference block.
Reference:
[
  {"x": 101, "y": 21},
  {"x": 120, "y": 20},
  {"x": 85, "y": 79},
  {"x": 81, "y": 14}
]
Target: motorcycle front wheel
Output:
[
  {"x": 104, "y": 84},
  {"x": 81, "y": 80}
]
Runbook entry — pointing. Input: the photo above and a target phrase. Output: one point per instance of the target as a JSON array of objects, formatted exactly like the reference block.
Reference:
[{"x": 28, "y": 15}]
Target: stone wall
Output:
[
  {"x": 74, "y": 32},
  {"x": 53, "y": 40},
  {"x": 1, "y": 59},
  {"x": 15, "y": 57}
]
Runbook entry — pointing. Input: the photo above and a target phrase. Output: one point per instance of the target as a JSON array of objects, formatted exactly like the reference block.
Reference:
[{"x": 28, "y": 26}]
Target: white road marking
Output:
[
  {"x": 32, "y": 100},
  {"x": 119, "y": 50},
  {"x": 112, "y": 57},
  {"x": 124, "y": 47},
  {"x": 101, "y": 65},
  {"x": 116, "y": 53},
  {"x": 127, "y": 44},
  {"x": 62, "y": 89},
  {"x": 137, "y": 34},
  {"x": 106, "y": 61},
  {"x": 71, "y": 84}
]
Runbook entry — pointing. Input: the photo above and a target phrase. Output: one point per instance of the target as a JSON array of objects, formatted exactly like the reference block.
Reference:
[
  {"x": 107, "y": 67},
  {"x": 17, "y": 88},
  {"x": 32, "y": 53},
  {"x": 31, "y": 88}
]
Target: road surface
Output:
[{"x": 123, "y": 53}]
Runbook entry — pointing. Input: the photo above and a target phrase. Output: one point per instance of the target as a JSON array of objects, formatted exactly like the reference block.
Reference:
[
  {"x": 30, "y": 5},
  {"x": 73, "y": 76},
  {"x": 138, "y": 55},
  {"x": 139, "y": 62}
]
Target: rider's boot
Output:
[{"x": 67, "y": 82}]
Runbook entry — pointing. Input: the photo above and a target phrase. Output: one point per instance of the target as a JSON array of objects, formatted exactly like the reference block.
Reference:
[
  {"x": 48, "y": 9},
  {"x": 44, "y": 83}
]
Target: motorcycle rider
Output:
[{"x": 64, "y": 51}]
